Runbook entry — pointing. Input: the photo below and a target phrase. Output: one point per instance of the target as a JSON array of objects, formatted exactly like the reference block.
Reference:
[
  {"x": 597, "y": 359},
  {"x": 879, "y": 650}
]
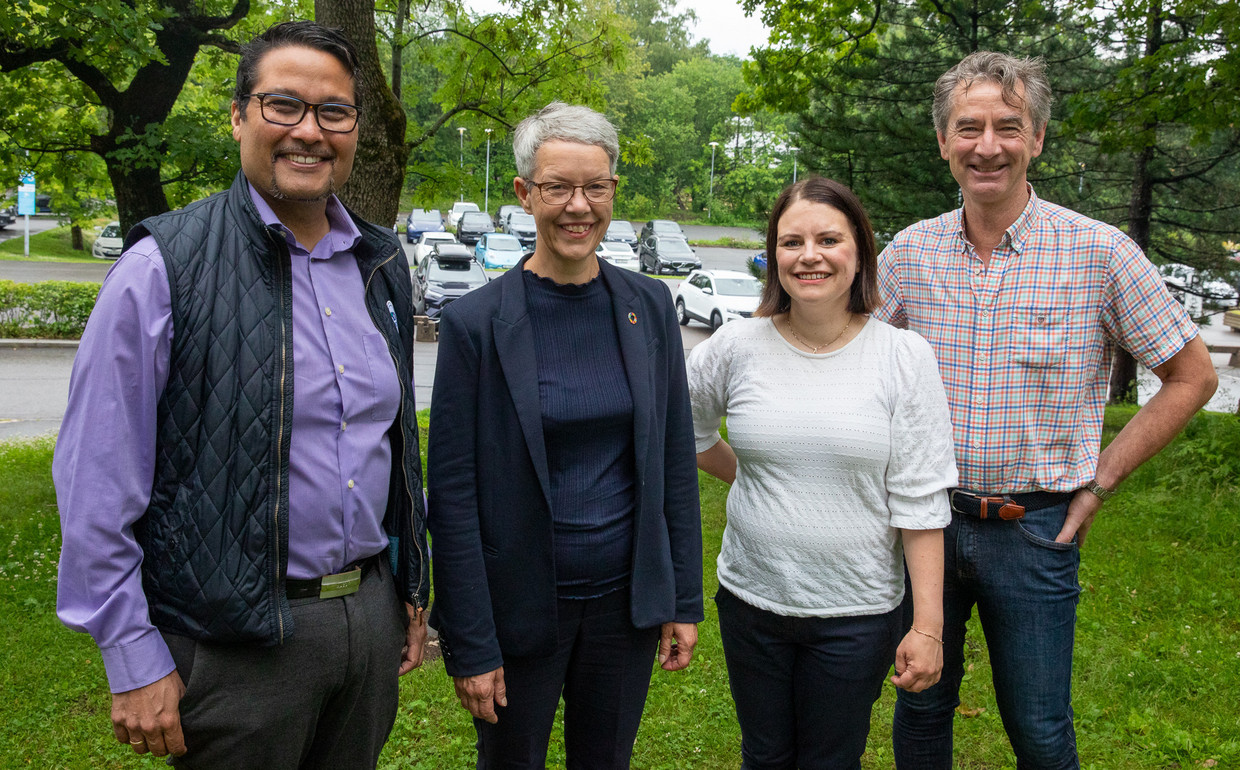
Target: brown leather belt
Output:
[{"x": 1006, "y": 507}]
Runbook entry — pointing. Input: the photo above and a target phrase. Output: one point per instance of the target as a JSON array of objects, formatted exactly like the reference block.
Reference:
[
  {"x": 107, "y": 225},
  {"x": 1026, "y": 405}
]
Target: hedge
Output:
[{"x": 49, "y": 309}]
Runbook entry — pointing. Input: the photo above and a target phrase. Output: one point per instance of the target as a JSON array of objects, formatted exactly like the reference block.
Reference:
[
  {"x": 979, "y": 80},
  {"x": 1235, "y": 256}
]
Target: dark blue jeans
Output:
[
  {"x": 804, "y": 687},
  {"x": 1025, "y": 588}
]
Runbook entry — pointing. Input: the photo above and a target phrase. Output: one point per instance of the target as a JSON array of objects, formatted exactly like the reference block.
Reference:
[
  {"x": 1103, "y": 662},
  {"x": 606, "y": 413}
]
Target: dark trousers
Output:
[
  {"x": 326, "y": 698},
  {"x": 804, "y": 687},
  {"x": 1025, "y": 588},
  {"x": 601, "y": 665}
]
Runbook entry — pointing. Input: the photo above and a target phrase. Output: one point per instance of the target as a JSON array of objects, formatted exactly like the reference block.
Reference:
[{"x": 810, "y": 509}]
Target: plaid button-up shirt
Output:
[{"x": 1025, "y": 344}]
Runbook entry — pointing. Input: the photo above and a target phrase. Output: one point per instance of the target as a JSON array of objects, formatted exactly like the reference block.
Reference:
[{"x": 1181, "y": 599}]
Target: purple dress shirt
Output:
[{"x": 346, "y": 397}]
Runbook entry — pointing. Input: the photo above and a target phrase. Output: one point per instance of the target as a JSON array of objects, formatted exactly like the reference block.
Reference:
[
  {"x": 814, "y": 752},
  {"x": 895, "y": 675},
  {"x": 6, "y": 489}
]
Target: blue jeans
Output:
[
  {"x": 1025, "y": 587},
  {"x": 804, "y": 687}
]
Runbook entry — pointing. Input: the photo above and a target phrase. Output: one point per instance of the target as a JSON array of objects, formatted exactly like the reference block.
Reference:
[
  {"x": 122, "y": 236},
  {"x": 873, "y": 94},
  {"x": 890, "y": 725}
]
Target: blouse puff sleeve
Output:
[
  {"x": 922, "y": 465},
  {"x": 708, "y": 370}
]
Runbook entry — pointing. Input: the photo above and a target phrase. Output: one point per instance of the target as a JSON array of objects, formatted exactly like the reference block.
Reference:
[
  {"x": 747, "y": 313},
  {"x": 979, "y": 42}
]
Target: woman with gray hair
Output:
[{"x": 563, "y": 483}]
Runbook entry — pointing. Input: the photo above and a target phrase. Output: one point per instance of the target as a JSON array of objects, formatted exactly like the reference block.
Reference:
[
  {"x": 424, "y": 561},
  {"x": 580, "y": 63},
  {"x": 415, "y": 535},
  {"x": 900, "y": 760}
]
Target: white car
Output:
[
  {"x": 426, "y": 244},
  {"x": 715, "y": 297},
  {"x": 618, "y": 253},
  {"x": 459, "y": 208},
  {"x": 109, "y": 243}
]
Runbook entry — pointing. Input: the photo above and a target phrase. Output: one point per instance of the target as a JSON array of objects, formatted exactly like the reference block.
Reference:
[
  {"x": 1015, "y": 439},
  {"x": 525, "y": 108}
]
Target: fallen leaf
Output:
[{"x": 969, "y": 713}]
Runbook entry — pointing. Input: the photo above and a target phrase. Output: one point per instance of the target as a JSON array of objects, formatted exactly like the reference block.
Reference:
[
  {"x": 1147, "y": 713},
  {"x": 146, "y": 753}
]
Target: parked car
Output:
[
  {"x": 1221, "y": 294},
  {"x": 622, "y": 231},
  {"x": 618, "y": 253},
  {"x": 7, "y": 217},
  {"x": 661, "y": 227},
  {"x": 422, "y": 221},
  {"x": 109, "y": 243},
  {"x": 446, "y": 274},
  {"x": 498, "y": 250},
  {"x": 472, "y": 225},
  {"x": 522, "y": 225},
  {"x": 715, "y": 297},
  {"x": 501, "y": 216},
  {"x": 459, "y": 208},
  {"x": 759, "y": 260},
  {"x": 667, "y": 253},
  {"x": 427, "y": 243}
]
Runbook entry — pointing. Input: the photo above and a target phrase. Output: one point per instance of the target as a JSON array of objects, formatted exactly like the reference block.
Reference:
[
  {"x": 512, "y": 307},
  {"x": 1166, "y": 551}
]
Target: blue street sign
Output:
[{"x": 25, "y": 201}]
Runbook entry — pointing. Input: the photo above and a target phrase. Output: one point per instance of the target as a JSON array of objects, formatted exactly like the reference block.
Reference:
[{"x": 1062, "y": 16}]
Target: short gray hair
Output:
[
  {"x": 566, "y": 122},
  {"x": 1003, "y": 70}
]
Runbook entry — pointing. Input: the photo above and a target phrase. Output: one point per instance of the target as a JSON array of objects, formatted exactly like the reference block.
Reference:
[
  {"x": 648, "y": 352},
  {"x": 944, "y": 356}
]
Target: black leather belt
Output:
[
  {"x": 1006, "y": 507},
  {"x": 331, "y": 586}
]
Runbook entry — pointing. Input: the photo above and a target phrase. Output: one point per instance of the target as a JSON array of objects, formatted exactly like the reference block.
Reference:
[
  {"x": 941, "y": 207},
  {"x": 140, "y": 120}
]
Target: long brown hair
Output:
[{"x": 863, "y": 297}]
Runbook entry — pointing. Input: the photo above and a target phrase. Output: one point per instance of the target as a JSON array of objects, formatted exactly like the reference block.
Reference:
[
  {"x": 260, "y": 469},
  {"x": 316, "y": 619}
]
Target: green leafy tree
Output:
[
  {"x": 107, "y": 76},
  {"x": 859, "y": 77},
  {"x": 1166, "y": 126}
]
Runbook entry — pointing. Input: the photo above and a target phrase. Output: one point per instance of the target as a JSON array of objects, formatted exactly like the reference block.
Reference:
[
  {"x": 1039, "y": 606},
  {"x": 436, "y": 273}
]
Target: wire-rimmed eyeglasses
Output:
[
  {"x": 284, "y": 110},
  {"x": 559, "y": 193}
]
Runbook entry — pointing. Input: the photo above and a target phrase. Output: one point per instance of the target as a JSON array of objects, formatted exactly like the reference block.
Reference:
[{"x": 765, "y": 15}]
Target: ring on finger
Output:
[{"x": 138, "y": 742}]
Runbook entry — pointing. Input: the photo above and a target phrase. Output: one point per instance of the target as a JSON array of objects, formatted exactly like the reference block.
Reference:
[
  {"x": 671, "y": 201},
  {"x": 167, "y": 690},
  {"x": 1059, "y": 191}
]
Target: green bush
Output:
[{"x": 50, "y": 309}]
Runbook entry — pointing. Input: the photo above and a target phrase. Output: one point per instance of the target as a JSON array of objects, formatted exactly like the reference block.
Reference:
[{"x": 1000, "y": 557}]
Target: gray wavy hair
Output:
[
  {"x": 567, "y": 122},
  {"x": 1003, "y": 70}
]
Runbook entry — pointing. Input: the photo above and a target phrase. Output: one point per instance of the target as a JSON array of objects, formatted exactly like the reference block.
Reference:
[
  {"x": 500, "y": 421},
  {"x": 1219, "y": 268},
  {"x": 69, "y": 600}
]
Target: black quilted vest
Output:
[{"x": 215, "y": 536}]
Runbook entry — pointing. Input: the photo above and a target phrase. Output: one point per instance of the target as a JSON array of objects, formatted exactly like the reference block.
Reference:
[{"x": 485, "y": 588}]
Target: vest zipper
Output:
[
  {"x": 404, "y": 433},
  {"x": 280, "y": 432}
]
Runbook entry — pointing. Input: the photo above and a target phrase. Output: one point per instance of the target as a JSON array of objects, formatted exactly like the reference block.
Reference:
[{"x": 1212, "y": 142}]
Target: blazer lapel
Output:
[
  {"x": 514, "y": 345},
  {"x": 635, "y": 332}
]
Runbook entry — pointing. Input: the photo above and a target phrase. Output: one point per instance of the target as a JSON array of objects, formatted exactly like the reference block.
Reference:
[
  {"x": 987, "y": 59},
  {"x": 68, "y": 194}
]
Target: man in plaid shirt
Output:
[{"x": 1023, "y": 301}]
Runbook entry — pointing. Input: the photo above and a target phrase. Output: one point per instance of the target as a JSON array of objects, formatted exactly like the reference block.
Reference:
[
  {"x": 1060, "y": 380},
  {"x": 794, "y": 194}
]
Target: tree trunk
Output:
[
  {"x": 75, "y": 234},
  {"x": 1140, "y": 206},
  {"x": 373, "y": 191},
  {"x": 398, "y": 45}
]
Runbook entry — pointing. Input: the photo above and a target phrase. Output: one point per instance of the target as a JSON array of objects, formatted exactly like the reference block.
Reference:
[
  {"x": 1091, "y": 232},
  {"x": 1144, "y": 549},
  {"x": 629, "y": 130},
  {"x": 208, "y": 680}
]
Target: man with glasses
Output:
[{"x": 238, "y": 470}]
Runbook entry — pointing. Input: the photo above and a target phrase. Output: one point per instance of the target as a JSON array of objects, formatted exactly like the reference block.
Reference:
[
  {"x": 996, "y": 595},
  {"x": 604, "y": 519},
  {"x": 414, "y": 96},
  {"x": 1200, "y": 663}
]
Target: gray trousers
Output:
[{"x": 326, "y": 698}]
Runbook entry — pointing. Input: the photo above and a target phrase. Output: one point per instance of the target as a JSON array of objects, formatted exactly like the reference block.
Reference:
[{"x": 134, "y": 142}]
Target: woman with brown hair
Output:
[{"x": 839, "y": 453}]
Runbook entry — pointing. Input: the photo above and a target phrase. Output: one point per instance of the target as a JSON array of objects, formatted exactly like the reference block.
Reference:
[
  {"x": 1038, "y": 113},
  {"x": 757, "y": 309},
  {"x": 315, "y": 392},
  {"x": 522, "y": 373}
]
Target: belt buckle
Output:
[
  {"x": 1008, "y": 510},
  {"x": 340, "y": 584}
]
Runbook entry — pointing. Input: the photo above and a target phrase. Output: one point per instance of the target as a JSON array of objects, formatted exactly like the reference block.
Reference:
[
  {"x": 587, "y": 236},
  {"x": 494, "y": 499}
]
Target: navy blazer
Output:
[{"x": 490, "y": 515}]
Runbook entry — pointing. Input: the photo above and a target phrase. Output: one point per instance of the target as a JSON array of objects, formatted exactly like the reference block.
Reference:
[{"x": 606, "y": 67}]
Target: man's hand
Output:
[
  {"x": 1081, "y": 512},
  {"x": 480, "y": 694},
  {"x": 415, "y": 640},
  {"x": 149, "y": 718},
  {"x": 676, "y": 643},
  {"x": 919, "y": 662}
]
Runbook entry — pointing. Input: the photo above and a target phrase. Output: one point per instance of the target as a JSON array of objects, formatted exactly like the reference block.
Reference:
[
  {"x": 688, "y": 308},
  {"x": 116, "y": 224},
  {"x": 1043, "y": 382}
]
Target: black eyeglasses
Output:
[
  {"x": 558, "y": 193},
  {"x": 289, "y": 111}
]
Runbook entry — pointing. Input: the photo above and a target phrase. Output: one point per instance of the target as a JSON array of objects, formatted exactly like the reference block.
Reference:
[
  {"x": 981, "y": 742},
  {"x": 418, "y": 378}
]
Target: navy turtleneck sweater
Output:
[{"x": 587, "y": 417}]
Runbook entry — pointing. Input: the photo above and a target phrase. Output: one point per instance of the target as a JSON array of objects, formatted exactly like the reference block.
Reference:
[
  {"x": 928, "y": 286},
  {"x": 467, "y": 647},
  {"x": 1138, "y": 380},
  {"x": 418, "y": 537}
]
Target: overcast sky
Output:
[{"x": 723, "y": 22}]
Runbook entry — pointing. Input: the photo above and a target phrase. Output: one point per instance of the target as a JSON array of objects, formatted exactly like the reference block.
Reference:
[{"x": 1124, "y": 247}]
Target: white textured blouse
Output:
[{"x": 836, "y": 453}]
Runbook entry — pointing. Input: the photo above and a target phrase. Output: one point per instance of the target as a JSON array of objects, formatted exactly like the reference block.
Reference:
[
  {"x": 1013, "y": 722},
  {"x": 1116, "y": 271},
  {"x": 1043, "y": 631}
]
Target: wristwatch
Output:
[{"x": 1099, "y": 491}]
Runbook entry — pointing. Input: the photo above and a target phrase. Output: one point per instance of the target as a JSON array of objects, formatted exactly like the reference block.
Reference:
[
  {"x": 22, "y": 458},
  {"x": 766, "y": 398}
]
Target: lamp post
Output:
[
  {"x": 461, "y": 131},
  {"x": 794, "y": 163},
  {"x": 1080, "y": 180},
  {"x": 486, "y": 198},
  {"x": 710, "y": 199}
]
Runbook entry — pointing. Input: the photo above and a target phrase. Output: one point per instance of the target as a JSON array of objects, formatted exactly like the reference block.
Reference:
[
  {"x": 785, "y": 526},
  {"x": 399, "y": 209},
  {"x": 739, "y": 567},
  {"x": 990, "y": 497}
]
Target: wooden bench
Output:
[{"x": 1234, "y": 350}]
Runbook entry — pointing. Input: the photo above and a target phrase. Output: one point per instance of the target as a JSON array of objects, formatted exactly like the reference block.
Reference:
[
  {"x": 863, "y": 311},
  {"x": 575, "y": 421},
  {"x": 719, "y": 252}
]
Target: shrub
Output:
[{"x": 51, "y": 309}]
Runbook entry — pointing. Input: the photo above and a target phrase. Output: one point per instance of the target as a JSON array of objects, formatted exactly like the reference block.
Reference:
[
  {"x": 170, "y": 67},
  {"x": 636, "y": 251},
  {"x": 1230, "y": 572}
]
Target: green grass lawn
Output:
[
  {"x": 54, "y": 245},
  {"x": 1156, "y": 683}
]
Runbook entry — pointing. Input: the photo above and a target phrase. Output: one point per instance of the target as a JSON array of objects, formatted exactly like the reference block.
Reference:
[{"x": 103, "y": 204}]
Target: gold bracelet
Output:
[{"x": 923, "y": 633}]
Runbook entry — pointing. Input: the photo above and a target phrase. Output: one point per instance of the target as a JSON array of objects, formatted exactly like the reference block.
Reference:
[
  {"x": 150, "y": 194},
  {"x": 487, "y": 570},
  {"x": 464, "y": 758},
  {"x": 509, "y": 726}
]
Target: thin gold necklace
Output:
[{"x": 815, "y": 349}]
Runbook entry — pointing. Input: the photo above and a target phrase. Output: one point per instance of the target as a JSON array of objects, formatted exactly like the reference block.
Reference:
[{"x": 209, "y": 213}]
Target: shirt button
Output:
[
  {"x": 350, "y": 483},
  {"x": 340, "y": 368},
  {"x": 328, "y": 311},
  {"x": 985, "y": 314},
  {"x": 344, "y": 424}
]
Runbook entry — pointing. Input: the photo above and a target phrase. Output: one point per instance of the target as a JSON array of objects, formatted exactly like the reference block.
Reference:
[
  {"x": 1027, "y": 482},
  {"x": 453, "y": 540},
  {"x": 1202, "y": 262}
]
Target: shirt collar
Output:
[
  {"x": 1019, "y": 230},
  {"x": 342, "y": 236}
]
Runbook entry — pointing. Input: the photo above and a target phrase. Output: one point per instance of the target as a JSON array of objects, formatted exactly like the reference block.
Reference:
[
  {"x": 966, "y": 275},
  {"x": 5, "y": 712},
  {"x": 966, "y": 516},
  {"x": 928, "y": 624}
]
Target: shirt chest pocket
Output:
[
  {"x": 383, "y": 389},
  {"x": 1039, "y": 337}
]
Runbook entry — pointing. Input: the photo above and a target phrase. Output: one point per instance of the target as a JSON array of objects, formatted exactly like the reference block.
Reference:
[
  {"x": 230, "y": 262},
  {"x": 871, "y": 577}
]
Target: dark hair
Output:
[
  {"x": 303, "y": 33},
  {"x": 864, "y": 294}
]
